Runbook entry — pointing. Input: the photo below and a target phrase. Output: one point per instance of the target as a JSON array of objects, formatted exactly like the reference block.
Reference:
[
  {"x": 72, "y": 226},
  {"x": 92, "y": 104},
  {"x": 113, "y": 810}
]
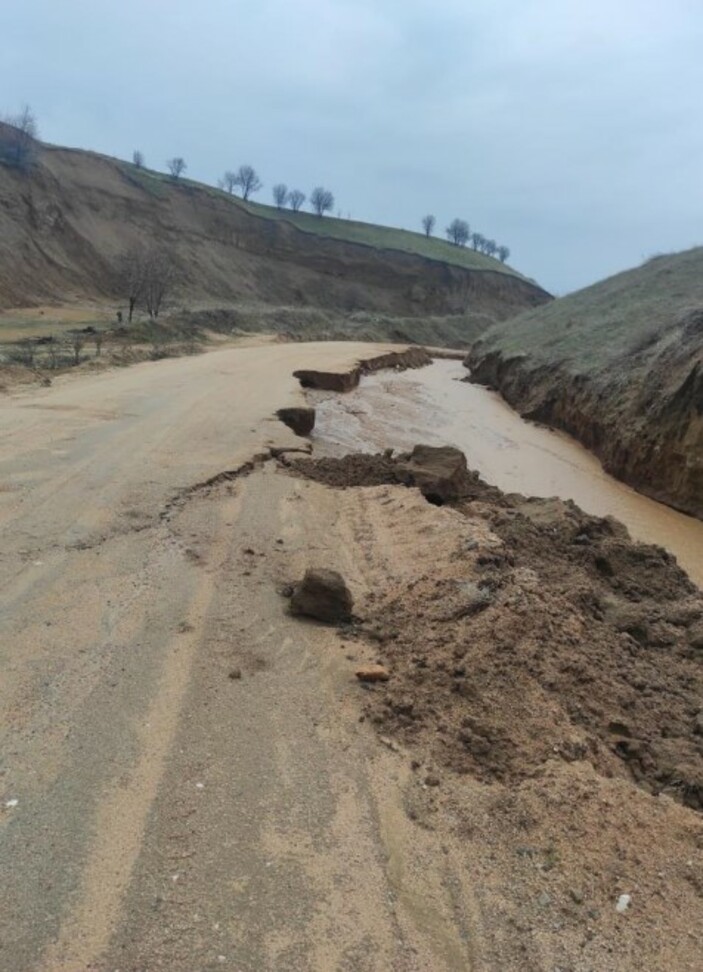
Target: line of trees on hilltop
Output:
[
  {"x": 459, "y": 234},
  {"x": 247, "y": 181}
]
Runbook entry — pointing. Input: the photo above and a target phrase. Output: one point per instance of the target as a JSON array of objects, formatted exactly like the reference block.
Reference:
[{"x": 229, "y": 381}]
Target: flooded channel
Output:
[{"x": 433, "y": 405}]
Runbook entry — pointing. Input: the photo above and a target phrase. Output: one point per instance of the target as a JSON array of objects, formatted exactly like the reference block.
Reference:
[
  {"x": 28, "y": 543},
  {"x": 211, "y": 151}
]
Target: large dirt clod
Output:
[
  {"x": 440, "y": 472},
  {"x": 323, "y": 595},
  {"x": 301, "y": 420}
]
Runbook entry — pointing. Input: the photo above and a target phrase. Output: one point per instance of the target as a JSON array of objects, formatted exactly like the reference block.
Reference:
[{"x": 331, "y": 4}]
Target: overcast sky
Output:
[{"x": 570, "y": 130}]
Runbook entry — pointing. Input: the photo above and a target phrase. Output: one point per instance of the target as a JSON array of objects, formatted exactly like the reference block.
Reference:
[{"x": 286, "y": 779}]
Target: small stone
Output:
[
  {"x": 322, "y": 594},
  {"x": 372, "y": 673},
  {"x": 623, "y": 903},
  {"x": 432, "y": 780},
  {"x": 235, "y": 673},
  {"x": 543, "y": 899},
  {"x": 576, "y": 896}
]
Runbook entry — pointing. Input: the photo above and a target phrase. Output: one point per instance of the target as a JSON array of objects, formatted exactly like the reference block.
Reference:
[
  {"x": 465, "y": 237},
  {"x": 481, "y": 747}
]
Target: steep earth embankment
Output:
[
  {"x": 64, "y": 223},
  {"x": 619, "y": 366}
]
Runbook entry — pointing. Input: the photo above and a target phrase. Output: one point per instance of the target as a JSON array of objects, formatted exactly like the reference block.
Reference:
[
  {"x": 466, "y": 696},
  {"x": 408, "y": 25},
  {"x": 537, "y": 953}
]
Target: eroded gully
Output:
[{"x": 433, "y": 405}]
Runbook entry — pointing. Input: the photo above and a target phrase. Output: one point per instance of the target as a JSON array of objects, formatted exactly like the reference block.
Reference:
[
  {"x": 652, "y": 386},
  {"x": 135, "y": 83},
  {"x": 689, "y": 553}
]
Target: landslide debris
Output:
[
  {"x": 620, "y": 367},
  {"x": 558, "y": 639},
  {"x": 439, "y": 472}
]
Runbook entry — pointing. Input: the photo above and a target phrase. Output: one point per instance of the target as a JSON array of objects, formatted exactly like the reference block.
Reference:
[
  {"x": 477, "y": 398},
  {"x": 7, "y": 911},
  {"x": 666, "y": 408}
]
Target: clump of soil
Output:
[
  {"x": 439, "y": 472},
  {"x": 357, "y": 469},
  {"x": 560, "y": 639}
]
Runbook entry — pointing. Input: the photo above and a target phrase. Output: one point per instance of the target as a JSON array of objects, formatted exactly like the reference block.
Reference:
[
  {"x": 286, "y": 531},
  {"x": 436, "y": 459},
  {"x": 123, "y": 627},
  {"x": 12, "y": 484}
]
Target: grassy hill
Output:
[
  {"x": 331, "y": 228},
  {"x": 620, "y": 366}
]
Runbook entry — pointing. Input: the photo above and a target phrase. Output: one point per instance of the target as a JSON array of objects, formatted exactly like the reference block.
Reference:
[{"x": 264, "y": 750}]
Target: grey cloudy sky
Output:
[{"x": 571, "y": 130}]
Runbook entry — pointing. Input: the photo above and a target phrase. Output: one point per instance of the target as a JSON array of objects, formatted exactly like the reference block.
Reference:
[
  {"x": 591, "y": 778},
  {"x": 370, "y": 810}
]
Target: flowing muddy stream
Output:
[{"x": 434, "y": 406}]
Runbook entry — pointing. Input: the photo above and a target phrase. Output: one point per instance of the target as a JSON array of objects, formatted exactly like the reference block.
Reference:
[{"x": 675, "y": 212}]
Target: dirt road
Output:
[
  {"x": 192, "y": 780},
  {"x": 186, "y": 784}
]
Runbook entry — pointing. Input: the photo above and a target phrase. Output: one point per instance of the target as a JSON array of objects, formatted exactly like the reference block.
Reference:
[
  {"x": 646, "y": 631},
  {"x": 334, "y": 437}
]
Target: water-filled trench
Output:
[{"x": 433, "y": 405}]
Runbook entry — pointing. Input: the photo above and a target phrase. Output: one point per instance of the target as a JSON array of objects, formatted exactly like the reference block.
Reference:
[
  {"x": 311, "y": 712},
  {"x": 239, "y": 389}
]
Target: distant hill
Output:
[
  {"x": 620, "y": 366},
  {"x": 65, "y": 221}
]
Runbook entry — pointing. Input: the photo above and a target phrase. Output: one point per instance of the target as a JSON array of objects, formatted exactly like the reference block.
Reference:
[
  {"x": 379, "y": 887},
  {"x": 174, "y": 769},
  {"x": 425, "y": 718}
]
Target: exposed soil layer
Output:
[
  {"x": 554, "y": 637},
  {"x": 65, "y": 222},
  {"x": 620, "y": 367},
  {"x": 342, "y": 381}
]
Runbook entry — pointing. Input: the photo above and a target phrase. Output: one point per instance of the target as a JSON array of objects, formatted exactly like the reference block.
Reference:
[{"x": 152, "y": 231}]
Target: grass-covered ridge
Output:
[
  {"x": 614, "y": 318},
  {"x": 330, "y": 227}
]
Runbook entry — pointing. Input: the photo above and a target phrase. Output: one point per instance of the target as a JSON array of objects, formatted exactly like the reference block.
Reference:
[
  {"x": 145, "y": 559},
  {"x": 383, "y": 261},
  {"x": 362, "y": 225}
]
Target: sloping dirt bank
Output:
[
  {"x": 65, "y": 223},
  {"x": 656, "y": 446},
  {"x": 620, "y": 367},
  {"x": 545, "y": 687}
]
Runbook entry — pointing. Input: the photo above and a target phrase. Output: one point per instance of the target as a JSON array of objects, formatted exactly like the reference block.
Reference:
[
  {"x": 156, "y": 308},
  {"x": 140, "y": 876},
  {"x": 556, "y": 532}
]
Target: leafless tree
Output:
[
  {"x": 248, "y": 180},
  {"x": 229, "y": 181},
  {"x": 159, "y": 280},
  {"x": 176, "y": 166},
  {"x": 17, "y": 139},
  {"x": 53, "y": 350},
  {"x": 280, "y": 194},
  {"x": 477, "y": 241},
  {"x": 321, "y": 200},
  {"x": 296, "y": 198},
  {"x": 428, "y": 224},
  {"x": 138, "y": 159},
  {"x": 458, "y": 232},
  {"x": 77, "y": 344},
  {"x": 131, "y": 275},
  {"x": 98, "y": 337},
  {"x": 503, "y": 253},
  {"x": 490, "y": 247},
  {"x": 26, "y": 352}
]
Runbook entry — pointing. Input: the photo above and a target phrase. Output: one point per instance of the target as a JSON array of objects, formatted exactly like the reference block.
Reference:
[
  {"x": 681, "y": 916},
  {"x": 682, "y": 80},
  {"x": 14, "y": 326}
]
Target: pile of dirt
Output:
[
  {"x": 356, "y": 469},
  {"x": 556, "y": 639},
  {"x": 440, "y": 472}
]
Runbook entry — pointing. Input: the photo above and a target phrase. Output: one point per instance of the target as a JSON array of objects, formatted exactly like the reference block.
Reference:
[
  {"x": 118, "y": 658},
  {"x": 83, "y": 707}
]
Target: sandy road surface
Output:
[{"x": 167, "y": 815}]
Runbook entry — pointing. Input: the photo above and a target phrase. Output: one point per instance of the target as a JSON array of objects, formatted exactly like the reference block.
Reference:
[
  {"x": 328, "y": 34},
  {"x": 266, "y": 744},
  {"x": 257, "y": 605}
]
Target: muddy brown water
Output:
[{"x": 435, "y": 406}]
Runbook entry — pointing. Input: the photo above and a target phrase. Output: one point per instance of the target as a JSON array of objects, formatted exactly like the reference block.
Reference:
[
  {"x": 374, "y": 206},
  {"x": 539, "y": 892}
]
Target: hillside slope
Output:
[
  {"x": 619, "y": 365},
  {"x": 63, "y": 225}
]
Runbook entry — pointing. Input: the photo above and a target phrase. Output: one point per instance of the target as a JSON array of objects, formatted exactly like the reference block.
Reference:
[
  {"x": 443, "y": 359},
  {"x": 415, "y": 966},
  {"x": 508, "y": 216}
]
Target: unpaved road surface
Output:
[
  {"x": 193, "y": 780},
  {"x": 185, "y": 781}
]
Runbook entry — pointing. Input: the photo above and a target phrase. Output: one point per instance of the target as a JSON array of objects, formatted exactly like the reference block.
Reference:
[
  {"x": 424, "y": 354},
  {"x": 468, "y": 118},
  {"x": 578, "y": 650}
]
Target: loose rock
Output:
[
  {"x": 322, "y": 594},
  {"x": 440, "y": 472},
  {"x": 372, "y": 673}
]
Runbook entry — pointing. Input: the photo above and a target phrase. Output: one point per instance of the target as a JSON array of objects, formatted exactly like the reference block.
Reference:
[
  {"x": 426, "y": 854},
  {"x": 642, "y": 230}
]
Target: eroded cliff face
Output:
[
  {"x": 64, "y": 223},
  {"x": 641, "y": 414}
]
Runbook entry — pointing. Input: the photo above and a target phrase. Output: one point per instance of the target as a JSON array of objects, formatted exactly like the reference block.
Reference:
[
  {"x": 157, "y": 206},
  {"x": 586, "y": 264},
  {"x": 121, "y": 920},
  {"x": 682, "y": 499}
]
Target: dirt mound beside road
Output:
[{"x": 557, "y": 639}]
